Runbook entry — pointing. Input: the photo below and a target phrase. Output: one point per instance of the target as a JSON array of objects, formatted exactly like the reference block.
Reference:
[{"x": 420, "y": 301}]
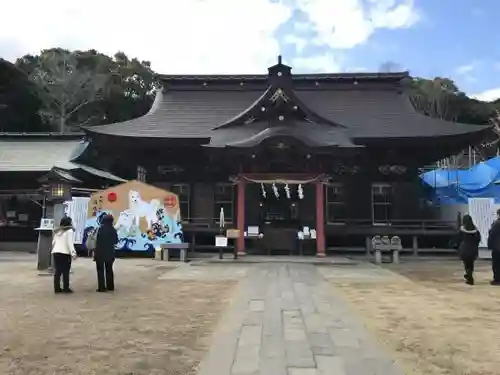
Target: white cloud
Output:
[
  {"x": 177, "y": 36},
  {"x": 347, "y": 23},
  {"x": 488, "y": 95},
  {"x": 197, "y": 36},
  {"x": 464, "y": 69},
  {"x": 319, "y": 63}
]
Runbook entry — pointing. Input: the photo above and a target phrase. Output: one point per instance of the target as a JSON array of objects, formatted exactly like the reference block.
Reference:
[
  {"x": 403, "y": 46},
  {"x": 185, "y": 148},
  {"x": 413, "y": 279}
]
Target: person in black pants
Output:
[
  {"x": 494, "y": 246},
  {"x": 63, "y": 250},
  {"x": 104, "y": 254},
  {"x": 468, "y": 247}
]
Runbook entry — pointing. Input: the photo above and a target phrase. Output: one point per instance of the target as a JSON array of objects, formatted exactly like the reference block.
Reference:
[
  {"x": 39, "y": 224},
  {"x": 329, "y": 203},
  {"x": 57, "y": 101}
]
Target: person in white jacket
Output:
[{"x": 63, "y": 250}]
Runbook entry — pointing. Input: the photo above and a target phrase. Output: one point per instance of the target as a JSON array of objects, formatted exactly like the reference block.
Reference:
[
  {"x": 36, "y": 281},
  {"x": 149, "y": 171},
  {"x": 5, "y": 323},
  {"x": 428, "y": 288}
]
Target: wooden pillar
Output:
[
  {"x": 320, "y": 220},
  {"x": 240, "y": 218}
]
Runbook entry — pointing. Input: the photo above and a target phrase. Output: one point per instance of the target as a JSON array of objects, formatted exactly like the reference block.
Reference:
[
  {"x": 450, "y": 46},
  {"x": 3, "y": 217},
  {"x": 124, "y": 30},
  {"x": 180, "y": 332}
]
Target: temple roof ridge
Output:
[
  {"x": 156, "y": 102},
  {"x": 360, "y": 76},
  {"x": 277, "y": 104}
]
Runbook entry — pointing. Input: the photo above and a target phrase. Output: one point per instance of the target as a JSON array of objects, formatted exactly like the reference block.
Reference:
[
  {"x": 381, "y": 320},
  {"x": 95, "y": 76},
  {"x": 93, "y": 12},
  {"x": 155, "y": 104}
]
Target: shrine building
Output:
[{"x": 337, "y": 153}]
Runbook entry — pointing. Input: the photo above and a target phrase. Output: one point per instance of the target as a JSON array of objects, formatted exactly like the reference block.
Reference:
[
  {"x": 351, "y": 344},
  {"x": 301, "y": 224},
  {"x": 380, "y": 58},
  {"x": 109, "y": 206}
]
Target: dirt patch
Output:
[
  {"x": 147, "y": 326},
  {"x": 432, "y": 321}
]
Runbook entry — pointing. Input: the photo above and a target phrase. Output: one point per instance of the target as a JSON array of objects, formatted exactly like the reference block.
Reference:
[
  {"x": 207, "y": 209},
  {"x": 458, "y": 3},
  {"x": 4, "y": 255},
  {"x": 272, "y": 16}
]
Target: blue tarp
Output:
[{"x": 451, "y": 186}]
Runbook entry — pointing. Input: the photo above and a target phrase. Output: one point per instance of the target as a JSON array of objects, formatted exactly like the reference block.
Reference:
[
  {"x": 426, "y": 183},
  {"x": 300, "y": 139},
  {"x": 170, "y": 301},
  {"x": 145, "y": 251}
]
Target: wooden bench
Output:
[
  {"x": 386, "y": 244},
  {"x": 182, "y": 247}
]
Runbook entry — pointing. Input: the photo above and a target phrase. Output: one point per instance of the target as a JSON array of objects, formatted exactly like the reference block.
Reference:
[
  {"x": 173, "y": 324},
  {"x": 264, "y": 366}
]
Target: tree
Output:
[
  {"x": 436, "y": 98},
  {"x": 18, "y": 103},
  {"x": 441, "y": 98},
  {"x": 131, "y": 89},
  {"x": 124, "y": 91},
  {"x": 63, "y": 88}
]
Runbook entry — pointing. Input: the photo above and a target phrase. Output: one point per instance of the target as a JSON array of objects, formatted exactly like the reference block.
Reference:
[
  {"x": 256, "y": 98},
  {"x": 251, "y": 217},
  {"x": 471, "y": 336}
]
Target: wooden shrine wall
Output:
[
  {"x": 202, "y": 198},
  {"x": 407, "y": 200}
]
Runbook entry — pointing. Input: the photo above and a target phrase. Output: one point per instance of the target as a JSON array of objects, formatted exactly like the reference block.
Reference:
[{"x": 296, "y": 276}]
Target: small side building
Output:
[{"x": 24, "y": 160}]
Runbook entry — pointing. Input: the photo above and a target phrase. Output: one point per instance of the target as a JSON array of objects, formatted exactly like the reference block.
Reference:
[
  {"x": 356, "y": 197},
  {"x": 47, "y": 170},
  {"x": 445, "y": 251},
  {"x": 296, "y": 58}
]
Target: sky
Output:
[{"x": 447, "y": 38}]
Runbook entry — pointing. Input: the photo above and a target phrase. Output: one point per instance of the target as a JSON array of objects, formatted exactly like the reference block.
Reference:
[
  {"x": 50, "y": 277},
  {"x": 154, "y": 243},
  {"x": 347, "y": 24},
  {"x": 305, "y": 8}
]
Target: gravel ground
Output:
[{"x": 147, "y": 326}]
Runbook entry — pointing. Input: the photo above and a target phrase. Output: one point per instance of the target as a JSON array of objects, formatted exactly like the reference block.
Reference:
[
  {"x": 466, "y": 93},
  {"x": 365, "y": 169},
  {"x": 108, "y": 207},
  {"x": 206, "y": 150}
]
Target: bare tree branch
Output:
[{"x": 63, "y": 88}]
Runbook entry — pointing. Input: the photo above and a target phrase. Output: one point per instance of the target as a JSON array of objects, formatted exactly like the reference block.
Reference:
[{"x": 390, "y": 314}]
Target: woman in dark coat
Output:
[
  {"x": 468, "y": 247},
  {"x": 104, "y": 254}
]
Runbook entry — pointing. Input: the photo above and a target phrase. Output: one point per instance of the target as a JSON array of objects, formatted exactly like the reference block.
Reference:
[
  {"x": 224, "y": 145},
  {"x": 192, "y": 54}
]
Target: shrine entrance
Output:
[{"x": 280, "y": 214}]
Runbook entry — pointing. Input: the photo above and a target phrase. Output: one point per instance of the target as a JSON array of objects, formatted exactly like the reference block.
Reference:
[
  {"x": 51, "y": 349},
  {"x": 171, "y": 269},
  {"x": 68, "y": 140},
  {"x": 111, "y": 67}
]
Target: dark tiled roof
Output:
[
  {"x": 379, "y": 113},
  {"x": 368, "y": 105},
  {"x": 313, "y": 135},
  {"x": 183, "y": 114},
  {"x": 33, "y": 154},
  {"x": 41, "y": 135},
  {"x": 60, "y": 174}
]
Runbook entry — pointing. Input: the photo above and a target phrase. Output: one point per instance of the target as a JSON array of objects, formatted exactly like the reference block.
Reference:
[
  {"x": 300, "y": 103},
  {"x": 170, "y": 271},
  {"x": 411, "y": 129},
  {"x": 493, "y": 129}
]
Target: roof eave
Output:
[
  {"x": 475, "y": 134},
  {"x": 127, "y": 137},
  {"x": 325, "y": 77}
]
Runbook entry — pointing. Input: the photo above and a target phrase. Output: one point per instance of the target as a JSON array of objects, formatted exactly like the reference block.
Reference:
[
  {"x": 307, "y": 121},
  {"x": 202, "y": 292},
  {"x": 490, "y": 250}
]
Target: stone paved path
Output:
[{"x": 285, "y": 320}]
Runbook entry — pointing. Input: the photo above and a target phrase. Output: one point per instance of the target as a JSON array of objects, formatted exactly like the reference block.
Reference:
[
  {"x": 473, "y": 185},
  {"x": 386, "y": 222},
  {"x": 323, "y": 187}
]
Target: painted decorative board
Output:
[{"x": 145, "y": 217}]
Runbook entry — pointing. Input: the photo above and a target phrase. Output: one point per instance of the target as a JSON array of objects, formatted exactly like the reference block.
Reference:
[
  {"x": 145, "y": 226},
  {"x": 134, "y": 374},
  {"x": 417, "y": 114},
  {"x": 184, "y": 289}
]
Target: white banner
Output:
[
  {"x": 77, "y": 210},
  {"x": 482, "y": 211}
]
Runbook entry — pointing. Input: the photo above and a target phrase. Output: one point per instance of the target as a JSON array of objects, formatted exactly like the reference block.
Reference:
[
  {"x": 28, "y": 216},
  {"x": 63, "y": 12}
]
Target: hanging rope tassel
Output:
[
  {"x": 287, "y": 191},
  {"x": 275, "y": 190}
]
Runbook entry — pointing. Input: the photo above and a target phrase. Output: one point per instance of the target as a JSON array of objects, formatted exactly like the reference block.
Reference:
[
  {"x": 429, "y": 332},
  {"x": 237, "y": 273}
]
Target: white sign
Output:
[
  {"x": 482, "y": 211},
  {"x": 253, "y": 231},
  {"x": 47, "y": 224},
  {"x": 220, "y": 241},
  {"x": 77, "y": 210}
]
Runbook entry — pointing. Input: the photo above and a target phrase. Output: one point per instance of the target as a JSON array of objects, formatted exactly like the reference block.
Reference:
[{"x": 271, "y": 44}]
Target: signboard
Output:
[
  {"x": 77, "y": 209},
  {"x": 145, "y": 216},
  {"x": 220, "y": 241},
  {"x": 46, "y": 224},
  {"x": 482, "y": 211}
]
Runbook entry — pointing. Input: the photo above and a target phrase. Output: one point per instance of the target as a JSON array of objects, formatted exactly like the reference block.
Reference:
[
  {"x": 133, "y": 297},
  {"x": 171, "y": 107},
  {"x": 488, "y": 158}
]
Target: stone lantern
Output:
[{"x": 56, "y": 186}]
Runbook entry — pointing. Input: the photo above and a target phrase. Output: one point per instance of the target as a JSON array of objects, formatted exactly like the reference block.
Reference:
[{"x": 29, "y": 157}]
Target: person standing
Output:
[
  {"x": 468, "y": 247},
  {"x": 104, "y": 254},
  {"x": 63, "y": 250},
  {"x": 494, "y": 246}
]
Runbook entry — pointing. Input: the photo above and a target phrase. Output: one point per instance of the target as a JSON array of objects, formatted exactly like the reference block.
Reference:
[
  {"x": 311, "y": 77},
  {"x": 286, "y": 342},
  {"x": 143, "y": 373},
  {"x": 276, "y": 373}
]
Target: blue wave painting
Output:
[{"x": 164, "y": 230}]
